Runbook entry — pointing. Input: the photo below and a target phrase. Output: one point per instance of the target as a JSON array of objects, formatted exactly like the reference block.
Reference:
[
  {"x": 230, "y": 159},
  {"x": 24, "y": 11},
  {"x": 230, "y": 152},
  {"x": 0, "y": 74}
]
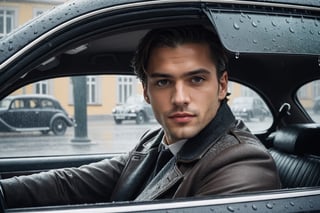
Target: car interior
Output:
[{"x": 99, "y": 45}]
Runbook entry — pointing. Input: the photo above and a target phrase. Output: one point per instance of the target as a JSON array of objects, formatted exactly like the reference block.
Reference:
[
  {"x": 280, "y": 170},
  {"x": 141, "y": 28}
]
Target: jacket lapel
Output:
[{"x": 168, "y": 176}]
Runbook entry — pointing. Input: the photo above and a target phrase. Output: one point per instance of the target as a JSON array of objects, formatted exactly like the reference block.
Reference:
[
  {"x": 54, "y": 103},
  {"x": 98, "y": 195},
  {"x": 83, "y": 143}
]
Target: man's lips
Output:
[{"x": 181, "y": 117}]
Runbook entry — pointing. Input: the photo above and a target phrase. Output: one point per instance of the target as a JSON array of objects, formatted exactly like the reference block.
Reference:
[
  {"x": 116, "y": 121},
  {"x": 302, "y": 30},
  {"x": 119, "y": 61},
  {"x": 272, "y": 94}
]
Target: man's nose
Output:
[{"x": 180, "y": 95}]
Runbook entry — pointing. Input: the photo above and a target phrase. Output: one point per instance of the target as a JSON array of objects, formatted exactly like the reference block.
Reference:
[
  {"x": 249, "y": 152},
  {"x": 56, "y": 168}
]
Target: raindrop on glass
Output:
[
  {"x": 243, "y": 15},
  {"x": 273, "y": 23},
  {"x": 236, "y": 26},
  {"x": 254, "y": 24},
  {"x": 10, "y": 48},
  {"x": 254, "y": 207},
  {"x": 291, "y": 29},
  {"x": 269, "y": 206},
  {"x": 230, "y": 209},
  {"x": 287, "y": 20},
  {"x": 255, "y": 41}
]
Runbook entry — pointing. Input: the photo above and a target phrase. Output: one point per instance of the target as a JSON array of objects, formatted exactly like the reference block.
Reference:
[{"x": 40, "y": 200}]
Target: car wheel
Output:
[
  {"x": 59, "y": 126},
  {"x": 45, "y": 132},
  {"x": 117, "y": 121},
  {"x": 140, "y": 118}
]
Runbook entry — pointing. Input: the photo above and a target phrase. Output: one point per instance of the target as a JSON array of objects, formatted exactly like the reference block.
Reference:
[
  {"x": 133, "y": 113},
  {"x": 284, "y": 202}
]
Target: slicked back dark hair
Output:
[{"x": 173, "y": 37}]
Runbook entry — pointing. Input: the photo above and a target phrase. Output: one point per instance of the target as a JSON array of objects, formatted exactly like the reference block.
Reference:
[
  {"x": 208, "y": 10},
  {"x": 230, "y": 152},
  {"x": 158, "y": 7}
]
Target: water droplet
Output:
[
  {"x": 291, "y": 29},
  {"x": 254, "y": 207},
  {"x": 230, "y": 209},
  {"x": 236, "y": 26},
  {"x": 316, "y": 23},
  {"x": 243, "y": 15},
  {"x": 311, "y": 32},
  {"x": 237, "y": 55},
  {"x": 287, "y": 21},
  {"x": 35, "y": 32},
  {"x": 255, "y": 41},
  {"x": 249, "y": 17},
  {"x": 269, "y": 206},
  {"x": 274, "y": 40},
  {"x": 254, "y": 24},
  {"x": 241, "y": 20},
  {"x": 273, "y": 23},
  {"x": 10, "y": 48}
]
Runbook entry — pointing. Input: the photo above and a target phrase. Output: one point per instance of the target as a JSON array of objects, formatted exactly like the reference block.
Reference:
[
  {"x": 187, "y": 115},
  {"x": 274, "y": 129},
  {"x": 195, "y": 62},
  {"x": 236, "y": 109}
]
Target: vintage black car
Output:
[
  {"x": 135, "y": 109},
  {"x": 273, "y": 48},
  {"x": 22, "y": 113},
  {"x": 249, "y": 108}
]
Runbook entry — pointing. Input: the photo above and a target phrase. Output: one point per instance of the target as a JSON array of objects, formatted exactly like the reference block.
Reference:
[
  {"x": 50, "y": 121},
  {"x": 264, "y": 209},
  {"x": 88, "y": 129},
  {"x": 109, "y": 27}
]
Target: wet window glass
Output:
[
  {"x": 56, "y": 122},
  {"x": 309, "y": 97},
  {"x": 248, "y": 106}
]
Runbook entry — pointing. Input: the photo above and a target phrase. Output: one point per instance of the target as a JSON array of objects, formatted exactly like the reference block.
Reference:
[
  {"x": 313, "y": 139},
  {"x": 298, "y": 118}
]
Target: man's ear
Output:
[
  {"x": 223, "y": 85},
  {"x": 145, "y": 94}
]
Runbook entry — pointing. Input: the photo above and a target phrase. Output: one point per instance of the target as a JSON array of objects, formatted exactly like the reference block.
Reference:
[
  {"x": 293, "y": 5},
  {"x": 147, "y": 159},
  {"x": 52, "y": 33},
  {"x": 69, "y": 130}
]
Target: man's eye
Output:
[
  {"x": 162, "y": 83},
  {"x": 197, "y": 80}
]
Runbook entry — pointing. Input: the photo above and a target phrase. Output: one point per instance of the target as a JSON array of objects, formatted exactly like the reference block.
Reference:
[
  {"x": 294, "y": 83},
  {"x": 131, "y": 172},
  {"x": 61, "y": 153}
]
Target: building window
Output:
[
  {"x": 92, "y": 90},
  {"x": 125, "y": 88},
  {"x": 7, "y": 21},
  {"x": 42, "y": 87}
]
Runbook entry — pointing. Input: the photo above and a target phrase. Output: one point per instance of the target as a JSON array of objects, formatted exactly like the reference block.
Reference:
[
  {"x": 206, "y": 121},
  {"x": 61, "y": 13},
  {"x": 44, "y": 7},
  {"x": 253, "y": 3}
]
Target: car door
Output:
[
  {"x": 22, "y": 114},
  {"x": 53, "y": 46},
  {"x": 46, "y": 111}
]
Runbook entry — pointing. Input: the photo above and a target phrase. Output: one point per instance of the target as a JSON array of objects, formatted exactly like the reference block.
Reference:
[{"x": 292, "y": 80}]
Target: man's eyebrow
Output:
[
  {"x": 189, "y": 73},
  {"x": 197, "y": 72}
]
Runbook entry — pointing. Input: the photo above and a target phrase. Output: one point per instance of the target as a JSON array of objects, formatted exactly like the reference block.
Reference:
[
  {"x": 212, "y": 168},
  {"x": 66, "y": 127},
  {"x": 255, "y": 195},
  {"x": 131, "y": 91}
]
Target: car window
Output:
[
  {"x": 110, "y": 111},
  {"x": 248, "y": 106},
  {"x": 309, "y": 97}
]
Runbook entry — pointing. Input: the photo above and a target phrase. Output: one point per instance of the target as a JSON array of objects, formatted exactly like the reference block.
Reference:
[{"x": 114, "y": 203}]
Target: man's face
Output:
[{"x": 183, "y": 89}]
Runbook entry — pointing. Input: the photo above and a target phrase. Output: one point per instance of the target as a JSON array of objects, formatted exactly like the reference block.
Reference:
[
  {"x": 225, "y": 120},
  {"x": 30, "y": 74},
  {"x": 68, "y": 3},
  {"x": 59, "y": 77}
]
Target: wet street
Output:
[{"x": 104, "y": 135}]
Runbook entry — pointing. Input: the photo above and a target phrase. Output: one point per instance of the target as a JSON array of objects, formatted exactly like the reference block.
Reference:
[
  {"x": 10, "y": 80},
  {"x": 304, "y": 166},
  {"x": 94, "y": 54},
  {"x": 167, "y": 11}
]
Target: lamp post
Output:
[{"x": 80, "y": 109}]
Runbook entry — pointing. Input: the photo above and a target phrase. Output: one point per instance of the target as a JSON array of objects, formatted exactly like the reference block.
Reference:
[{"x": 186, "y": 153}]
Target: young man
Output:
[{"x": 184, "y": 77}]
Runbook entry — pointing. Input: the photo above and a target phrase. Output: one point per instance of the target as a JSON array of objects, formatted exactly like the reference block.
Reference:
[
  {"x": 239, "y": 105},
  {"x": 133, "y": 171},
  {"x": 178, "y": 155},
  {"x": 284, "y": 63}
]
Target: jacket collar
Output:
[{"x": 197, "y": 146}]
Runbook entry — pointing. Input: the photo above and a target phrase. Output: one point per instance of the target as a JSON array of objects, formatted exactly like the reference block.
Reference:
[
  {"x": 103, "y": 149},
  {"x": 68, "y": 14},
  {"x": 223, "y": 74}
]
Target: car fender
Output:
[
  {"x": 5, "y": 127},
  {"x": 64, "y": 117}
]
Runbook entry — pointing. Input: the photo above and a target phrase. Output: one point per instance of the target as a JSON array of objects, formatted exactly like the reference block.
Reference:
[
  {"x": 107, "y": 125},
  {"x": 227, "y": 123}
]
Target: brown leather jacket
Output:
[{"x": 223, "y": 158}]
